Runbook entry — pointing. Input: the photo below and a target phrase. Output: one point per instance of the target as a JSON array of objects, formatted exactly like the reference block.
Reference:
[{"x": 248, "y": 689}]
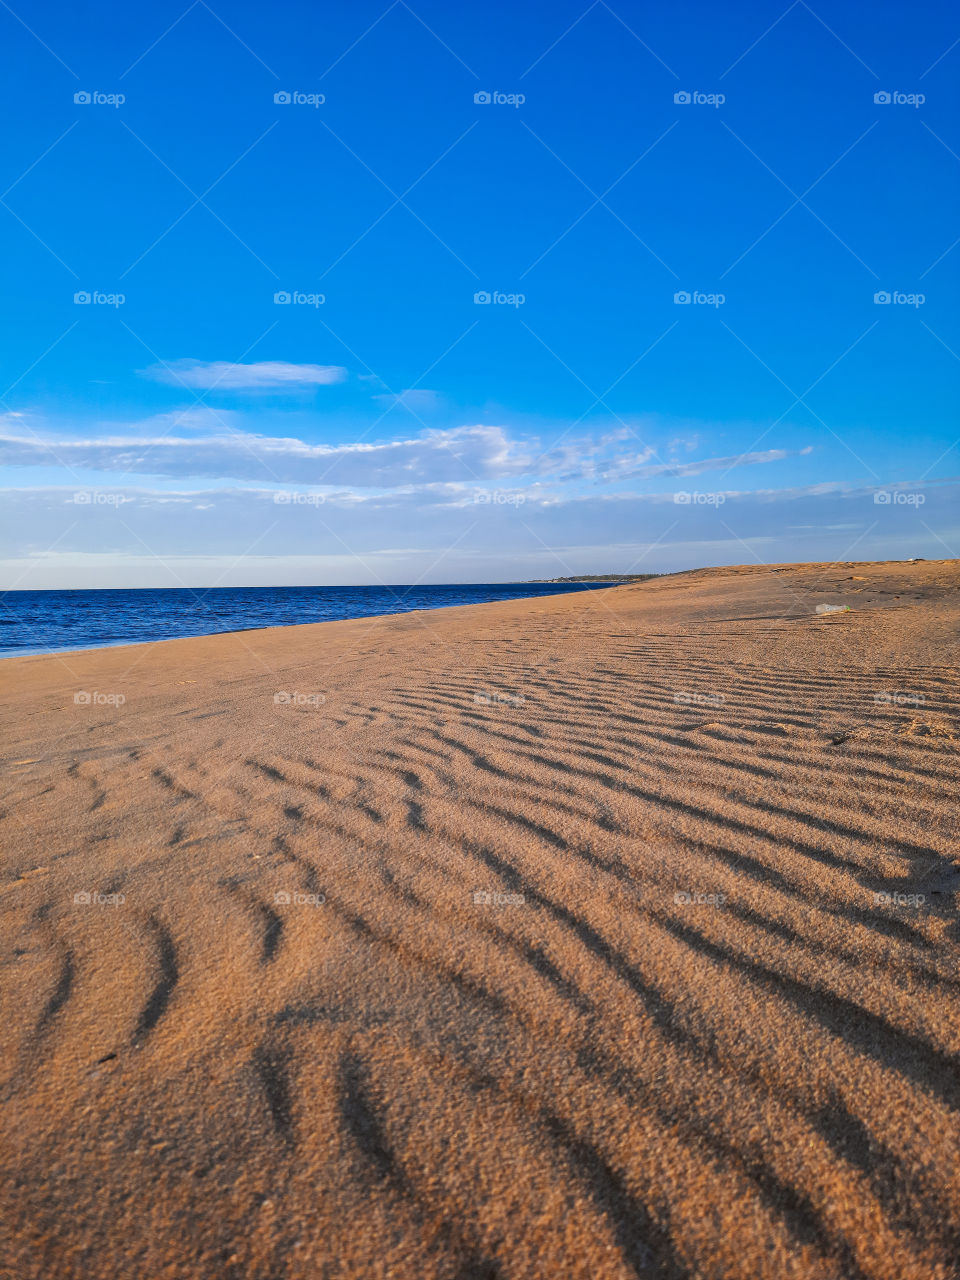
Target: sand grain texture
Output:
[{"x": 583, "y": 1077}]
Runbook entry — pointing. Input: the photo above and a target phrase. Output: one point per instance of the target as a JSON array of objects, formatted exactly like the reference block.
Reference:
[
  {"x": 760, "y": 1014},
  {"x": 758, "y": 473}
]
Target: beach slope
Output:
[{"x": 593, "y": 936}]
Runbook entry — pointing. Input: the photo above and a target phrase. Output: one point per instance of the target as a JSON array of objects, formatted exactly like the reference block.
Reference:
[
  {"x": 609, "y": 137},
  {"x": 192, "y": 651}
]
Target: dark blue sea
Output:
[{"x": 55, "y": 621}]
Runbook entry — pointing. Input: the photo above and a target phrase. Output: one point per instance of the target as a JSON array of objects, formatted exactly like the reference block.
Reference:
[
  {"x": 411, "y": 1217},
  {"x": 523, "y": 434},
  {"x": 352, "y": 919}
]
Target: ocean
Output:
[{"x": 58, "y": 621}]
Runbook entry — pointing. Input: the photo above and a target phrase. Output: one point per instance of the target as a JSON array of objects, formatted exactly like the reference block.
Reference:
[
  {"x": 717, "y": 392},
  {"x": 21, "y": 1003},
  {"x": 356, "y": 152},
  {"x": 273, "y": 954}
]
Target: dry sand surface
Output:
[{"x": 289, "y": 1037}]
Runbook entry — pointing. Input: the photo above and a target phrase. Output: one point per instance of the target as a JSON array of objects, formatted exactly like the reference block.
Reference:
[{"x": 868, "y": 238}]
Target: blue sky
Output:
[{"x": 587, "y": 167}]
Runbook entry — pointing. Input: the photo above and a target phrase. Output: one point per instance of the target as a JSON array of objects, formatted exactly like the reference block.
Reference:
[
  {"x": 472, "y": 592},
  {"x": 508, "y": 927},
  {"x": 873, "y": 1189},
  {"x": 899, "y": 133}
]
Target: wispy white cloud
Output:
[
  {"x": 221, "y": 375},
  {"x": 416, "y": 399},
  {"x": 174, "y": 450},
  {"x": 460, "y": 454},
  {"x": 193, "y": 421},
  {"x": 697, "y": 468}
]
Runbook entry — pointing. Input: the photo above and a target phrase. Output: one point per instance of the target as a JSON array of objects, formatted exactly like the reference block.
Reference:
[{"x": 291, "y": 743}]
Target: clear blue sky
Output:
[{"x": 416, "y": 432}]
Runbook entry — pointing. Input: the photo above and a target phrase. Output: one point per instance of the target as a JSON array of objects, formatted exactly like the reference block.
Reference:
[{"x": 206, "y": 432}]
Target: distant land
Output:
[{"x": 601, "y": 577}]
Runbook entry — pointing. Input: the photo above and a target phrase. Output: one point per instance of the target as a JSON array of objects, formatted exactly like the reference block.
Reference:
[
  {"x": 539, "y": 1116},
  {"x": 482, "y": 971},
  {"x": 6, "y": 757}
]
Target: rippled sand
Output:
[{"x": 598, "y": 936}]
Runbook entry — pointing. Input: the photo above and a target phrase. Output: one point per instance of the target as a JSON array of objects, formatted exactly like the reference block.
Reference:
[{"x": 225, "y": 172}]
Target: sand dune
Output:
[{"x": 593, "y": 936}]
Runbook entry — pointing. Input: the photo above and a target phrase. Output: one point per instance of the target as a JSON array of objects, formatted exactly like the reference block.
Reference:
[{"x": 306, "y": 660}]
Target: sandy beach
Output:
[{"x": 588, "y": 937}]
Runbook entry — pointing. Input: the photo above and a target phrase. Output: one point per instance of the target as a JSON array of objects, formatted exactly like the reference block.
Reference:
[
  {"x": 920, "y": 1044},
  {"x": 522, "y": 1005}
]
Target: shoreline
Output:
[
  {"x": 639, "y": 580},
  {"x": 116, "y": 644}
]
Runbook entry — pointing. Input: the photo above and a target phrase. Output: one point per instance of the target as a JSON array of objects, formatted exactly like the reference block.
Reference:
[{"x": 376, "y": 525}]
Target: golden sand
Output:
[{"x": 594, "y": 936}]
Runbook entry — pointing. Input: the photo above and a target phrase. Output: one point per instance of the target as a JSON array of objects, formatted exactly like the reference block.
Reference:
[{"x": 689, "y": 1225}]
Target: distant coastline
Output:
[{"x": 601, "y": 577}]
